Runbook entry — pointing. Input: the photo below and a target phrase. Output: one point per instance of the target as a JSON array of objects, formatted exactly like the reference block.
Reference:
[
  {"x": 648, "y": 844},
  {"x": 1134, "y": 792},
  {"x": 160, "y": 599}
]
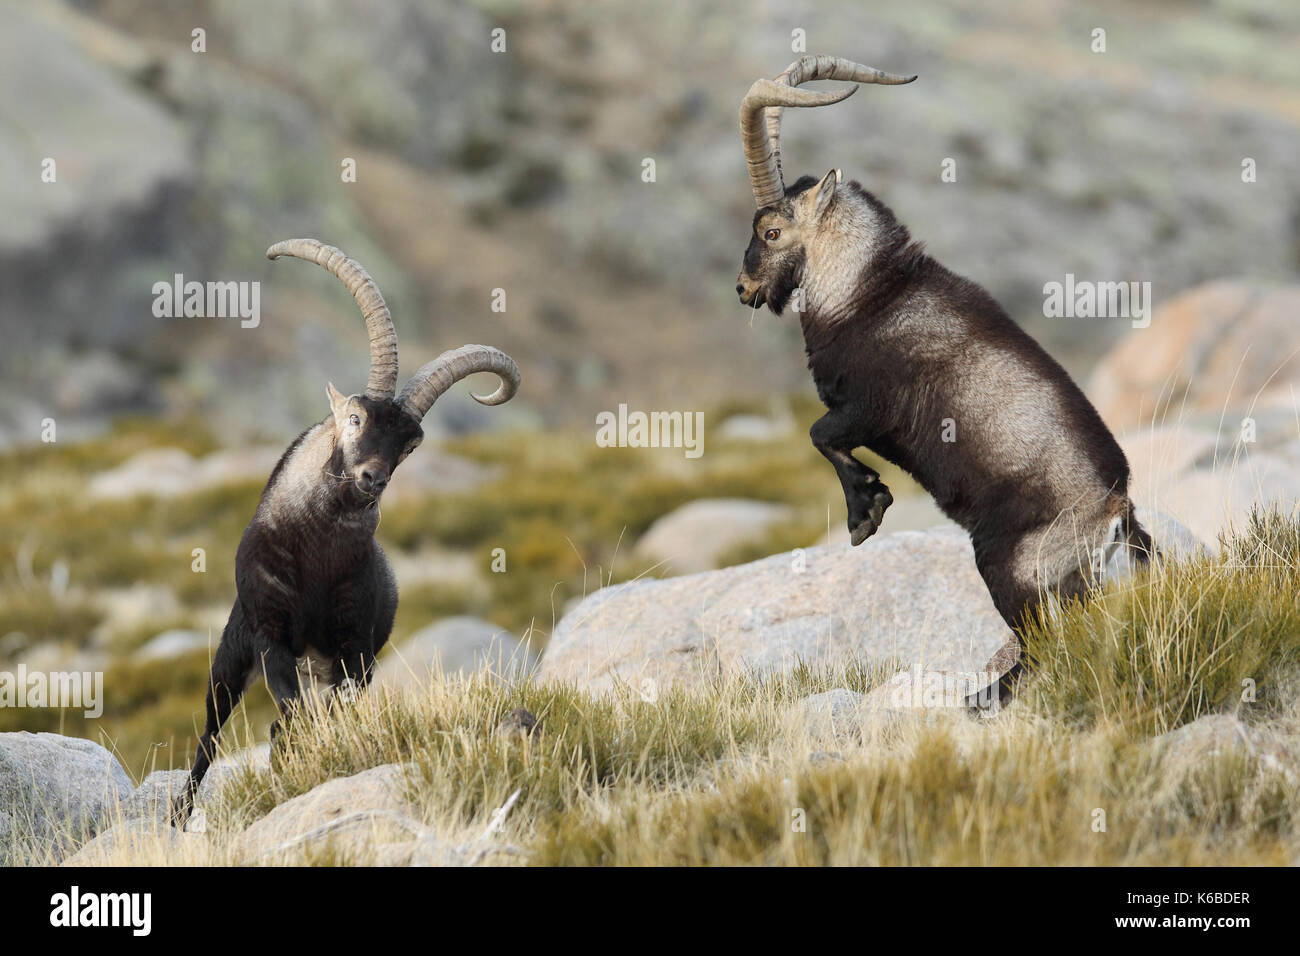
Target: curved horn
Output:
[
  {"x": 764, "y": 163},
  {"x": 760, "y": 113},
  {"x": 379, "y": 321},
  {"x": 429, "y": 384}
]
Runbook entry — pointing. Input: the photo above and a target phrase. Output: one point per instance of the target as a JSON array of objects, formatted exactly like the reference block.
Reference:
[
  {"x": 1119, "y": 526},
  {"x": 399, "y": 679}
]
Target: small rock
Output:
[
  {"x": 825, "y": 756},
  {"x": 697, "y": 534},
  {"x": 348, "y": 813},
  {"x": 167, "y": 472},
  {"x": 136, "y": 842},
  {"x": 757, "y": 428},
  {"x": 1172, "y": 538},
  {"x": 257, "y": 757},
  {"x": 152, "y": 800},
  {"x": 1215, "y": 735},
  {"x": 455, "y": 645},
  {"x": 519, "y": 722},
  {"x": 56, "y": 788},
  {"x": 171, "y": 644},
  {"x": 832, "y": 714}
]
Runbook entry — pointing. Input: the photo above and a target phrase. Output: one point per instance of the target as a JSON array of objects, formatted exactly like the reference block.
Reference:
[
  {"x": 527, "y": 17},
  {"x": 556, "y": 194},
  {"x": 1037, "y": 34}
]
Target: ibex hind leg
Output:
[
  {"x": 1062, "y": 568},
  {"x": 226, "y": 685},
  {"x": 285, "y": 681},
  {"x": 1017, "y": 596},
  {"x": 1017, "y": 604}
]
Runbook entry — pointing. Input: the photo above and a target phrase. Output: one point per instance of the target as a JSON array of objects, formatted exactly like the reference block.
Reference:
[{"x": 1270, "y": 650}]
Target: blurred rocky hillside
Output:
[{"x": 522, "y": 170}]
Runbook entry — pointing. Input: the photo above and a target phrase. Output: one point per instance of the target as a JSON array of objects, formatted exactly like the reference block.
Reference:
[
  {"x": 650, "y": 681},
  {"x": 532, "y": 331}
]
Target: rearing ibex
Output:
[
  {"x": 926, "y": 370},
  {"x": 316, "y": 596}
]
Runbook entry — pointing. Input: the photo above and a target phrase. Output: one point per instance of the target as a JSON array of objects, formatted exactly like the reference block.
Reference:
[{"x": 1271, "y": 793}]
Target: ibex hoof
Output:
[
  {"x": 863, "y": 531},
  {"x": 878, "y": 500}
]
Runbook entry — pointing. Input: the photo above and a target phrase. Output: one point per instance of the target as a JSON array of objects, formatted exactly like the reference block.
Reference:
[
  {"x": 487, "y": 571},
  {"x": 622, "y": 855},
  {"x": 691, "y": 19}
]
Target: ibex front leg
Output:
[{"x": 835, "y": 435}]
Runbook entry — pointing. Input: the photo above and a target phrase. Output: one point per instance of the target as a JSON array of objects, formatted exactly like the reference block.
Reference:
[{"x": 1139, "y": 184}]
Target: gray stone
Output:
[
  {"x": 1193, "y": 745},
  {"x": 909, "y": 698},
  {"x": 151, "y": 801},
  {"x": 1171, "y": 536},
  {"x": 455, "y": 645},
  {"x": 1220, "y": 500},
  {"x": 916, "y": 512},
  {"x": 171, "y": 644},
  {"x": 257, "y": 757},
  {"x": 54, "y": 788},
  {"x": 153, "y": 798},
  {"x": 92, "y": 123},
  {"x": 908, "y": 598},
  {"x": 520, "y": 722},
  {"x": 756, "y": 428},
  {"x": 833, "y": 713},
  {"x": 693, "y": 537},
  {"x": 139, "y": 841},
  {"x": 347, "y": 813},
  {"x": 167, "y": 472},
  {"x": 928, "y": 689}
]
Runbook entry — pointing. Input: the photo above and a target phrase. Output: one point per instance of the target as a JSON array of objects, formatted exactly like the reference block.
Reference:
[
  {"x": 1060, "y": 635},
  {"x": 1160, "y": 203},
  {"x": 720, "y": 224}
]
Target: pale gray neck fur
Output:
[
  {"x": 304, "y": 492},
  {"x": 845, "y": 241}
]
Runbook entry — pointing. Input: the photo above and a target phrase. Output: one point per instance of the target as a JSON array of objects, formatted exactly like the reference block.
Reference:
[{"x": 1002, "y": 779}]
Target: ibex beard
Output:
[
  {"x": 316, "y": 596},
  {"x": 923, "y": 368}
]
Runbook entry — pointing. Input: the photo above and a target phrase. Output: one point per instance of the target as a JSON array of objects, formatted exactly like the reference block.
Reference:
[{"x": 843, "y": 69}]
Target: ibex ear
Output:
[
  {"x": 338, "y": 401},
  {"x": 823, "y": 193}
]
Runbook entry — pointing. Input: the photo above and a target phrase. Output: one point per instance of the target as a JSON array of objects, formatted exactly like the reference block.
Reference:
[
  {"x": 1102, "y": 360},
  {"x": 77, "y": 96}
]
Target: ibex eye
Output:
[
  {"x": 355, "y": 419},
  {"x": 772, "y": 235}
]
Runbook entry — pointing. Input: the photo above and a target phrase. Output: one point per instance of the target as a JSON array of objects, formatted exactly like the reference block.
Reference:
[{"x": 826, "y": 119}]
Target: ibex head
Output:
[
  {"x": 376, "y": 430},
  {"x": 787, "y": 220}
]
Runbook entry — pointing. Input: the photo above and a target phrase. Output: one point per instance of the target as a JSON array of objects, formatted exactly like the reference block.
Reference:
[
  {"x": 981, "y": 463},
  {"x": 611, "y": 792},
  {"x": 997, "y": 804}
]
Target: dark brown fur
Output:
[
  {"x": 912, "y": 347},
  {"x": 314, "y": 587}
]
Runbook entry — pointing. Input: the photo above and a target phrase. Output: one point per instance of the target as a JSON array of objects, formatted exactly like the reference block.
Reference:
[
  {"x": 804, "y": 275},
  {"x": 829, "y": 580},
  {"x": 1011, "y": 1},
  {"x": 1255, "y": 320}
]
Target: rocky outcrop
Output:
[
  {"x": 912, "y": 597},
  {"x": 1231, "y": 346},
  {"x": 1201, "y": 482}
]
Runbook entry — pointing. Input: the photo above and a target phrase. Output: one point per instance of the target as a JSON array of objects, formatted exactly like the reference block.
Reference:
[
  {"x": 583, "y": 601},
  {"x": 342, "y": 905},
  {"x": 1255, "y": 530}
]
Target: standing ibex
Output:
[
  {"x": 926, "y": 370},
  {"x": 316, "y": 596}
]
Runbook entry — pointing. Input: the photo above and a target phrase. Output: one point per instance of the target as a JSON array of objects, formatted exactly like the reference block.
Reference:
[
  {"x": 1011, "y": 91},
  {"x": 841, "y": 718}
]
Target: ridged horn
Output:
[
  {"x": 429, "y": 384},
  {"x": 379, "y": 321},
  {"x": 760, "y": 113}
]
